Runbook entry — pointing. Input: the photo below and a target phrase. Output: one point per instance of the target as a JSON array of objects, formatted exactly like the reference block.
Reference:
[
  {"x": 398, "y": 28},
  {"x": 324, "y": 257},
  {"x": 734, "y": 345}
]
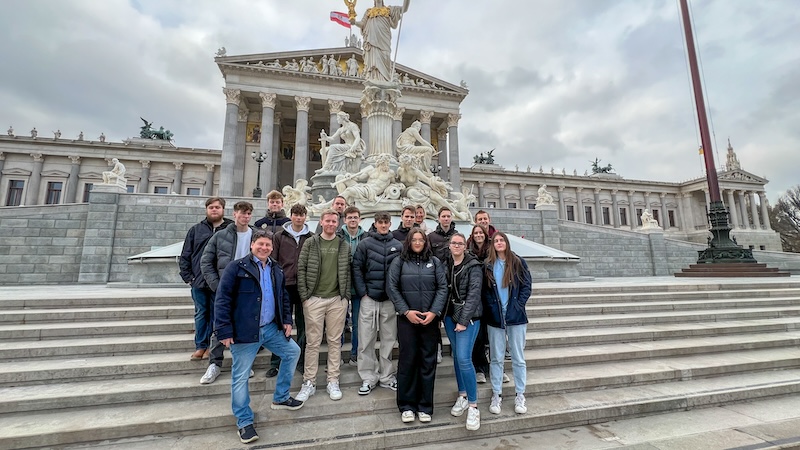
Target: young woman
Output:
[
  {"x": 417, "y": 285},
  {"x": 462, "y": 323},
  {"x": 478, "y": 242},
  {"x": 506, "y": 290}
]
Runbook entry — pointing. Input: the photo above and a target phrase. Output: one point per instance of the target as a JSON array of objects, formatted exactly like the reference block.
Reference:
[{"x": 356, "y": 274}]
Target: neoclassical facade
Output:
[{"x": 277, "y": 104}]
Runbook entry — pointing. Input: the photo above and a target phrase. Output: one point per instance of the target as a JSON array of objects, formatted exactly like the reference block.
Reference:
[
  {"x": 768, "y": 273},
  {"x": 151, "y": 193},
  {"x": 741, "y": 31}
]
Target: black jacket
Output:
[
  {"x": 273, "y": 221},
  {"x": 464, "y": 286},
  {"x": 517, "y": 298},
  {"x": 196, "y": 239},
  {"x": 439, "y": 241},
  {"x": 417, "y": 284},
  {"x": 371, "y": 261},
  {"x": 401, "y": 232}
]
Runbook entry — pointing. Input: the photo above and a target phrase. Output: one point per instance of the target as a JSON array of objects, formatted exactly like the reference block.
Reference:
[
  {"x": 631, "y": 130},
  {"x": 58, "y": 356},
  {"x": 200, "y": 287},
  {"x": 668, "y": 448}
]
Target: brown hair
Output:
[
  {"x": 216, "y": 199},
  {"x": 298, "y": 209},
  {"x": 472, "y": 246},
  {"x": 274, "y": 195},
  {"x": 243, "y": 206},
  {"x": 350, "y": 210},
  {"x": 426, "y": 254}
]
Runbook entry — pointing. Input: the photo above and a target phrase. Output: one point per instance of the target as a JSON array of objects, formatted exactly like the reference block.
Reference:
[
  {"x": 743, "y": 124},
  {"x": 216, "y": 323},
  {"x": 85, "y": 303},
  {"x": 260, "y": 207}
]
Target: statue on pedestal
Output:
[
  {"x": 376, "y": 27},
  {"x": 11, "y": 131},
  {"x": 407, "y": 144},
  {"x": 544, "y": 197},
  {"x": 373, "y": 183},
  {"x": 648, "y": 222},
  {"x": 343, "y": 157},
  {"x": 116, "y": 175}
]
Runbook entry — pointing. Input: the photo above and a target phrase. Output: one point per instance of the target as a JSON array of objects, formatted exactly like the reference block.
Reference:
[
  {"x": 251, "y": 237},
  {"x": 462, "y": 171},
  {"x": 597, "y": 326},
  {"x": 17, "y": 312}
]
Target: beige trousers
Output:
[{"x": 328, "y": 314}]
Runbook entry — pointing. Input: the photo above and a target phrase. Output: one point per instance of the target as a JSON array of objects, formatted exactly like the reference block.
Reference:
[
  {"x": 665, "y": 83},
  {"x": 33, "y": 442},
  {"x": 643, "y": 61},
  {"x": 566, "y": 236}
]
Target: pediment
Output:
[
  {"x": 289, "y": 63},
  {"x": 55, "y": 174},
  {"x": 91, "y": 175},
  {"x": 17, "y": 172},
  {"x": 161, "y": 179},
  {"x": 193, "y": 180},
  {"x": 741, "y": 175}
]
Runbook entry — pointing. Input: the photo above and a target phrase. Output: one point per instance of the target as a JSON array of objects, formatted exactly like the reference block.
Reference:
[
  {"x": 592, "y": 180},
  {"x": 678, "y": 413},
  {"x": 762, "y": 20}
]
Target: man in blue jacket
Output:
[{"x": 252, "y": 310}]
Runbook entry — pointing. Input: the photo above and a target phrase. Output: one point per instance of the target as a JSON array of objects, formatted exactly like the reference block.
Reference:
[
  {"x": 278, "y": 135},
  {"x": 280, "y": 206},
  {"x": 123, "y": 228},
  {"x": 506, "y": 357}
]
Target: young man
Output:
[
  {"x": 482, "y": 218},
  {"x": 371, "y": 261},
  {"x": 352, "y": 233},
  {"x": 440, "y": 237},
  {"x": 407, "y": 217},
  {"x": 275, "y": 217},
  {"x": 196, "y": 239},
  {"x": 229, "y": 244},
  {"x": 323, "y": 280},
  {"x": 253, "y": 310},
  {"x": 287, "y": 243},
  {"x": 419, "y": 218},
  {"x": 339, "y": 204}
]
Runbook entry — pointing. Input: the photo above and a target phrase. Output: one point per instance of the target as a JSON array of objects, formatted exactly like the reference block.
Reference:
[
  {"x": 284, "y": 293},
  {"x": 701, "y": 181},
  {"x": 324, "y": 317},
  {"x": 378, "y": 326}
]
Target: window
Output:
[
  {"x": 491, "y": 204},
  {"x": 655, "y": 216},
  {"x": 623, "y": 217},
  {"x": 86, "y": 189},
  {"x": 531, "y": 205},
  {"x": 671, "y": 215},
  {"x": 639, "y": 216},
  {"x": 606, "y": 216},
  {"x": 587, "y": 214},
  {"x": 14, "y": 197},
  {"x": 571, "y": 213},
  {"x": 192, "y": 191},
  {"x": 161, "y": 190},
  {"x": 130, "y": 188},
  {"x": 512, "y": 205},
  {"x": 53, "y": 193}
]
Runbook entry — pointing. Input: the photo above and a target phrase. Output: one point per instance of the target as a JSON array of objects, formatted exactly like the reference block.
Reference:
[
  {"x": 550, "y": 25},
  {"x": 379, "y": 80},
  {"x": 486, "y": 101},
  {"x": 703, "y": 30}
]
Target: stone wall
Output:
[{"x": 41, "y": 244}]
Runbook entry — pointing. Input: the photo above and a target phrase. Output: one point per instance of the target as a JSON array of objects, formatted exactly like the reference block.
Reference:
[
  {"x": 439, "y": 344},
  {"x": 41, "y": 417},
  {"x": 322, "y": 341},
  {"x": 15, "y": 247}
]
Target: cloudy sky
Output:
[{"x": 553, "y": 83}]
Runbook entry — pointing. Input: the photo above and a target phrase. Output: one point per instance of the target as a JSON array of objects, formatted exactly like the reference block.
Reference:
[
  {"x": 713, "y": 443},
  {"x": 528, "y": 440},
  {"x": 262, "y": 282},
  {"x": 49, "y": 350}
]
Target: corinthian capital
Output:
[
  {"x": 75, "y": 159},
  {"x": 303, "y": 103},
  {"x": 335, "y": 106},
  {"x": 145, "y": 164},
  {"x": 398, "y": 113},
  {"x": 37, "y": 157},
  {"x": 178, "y": 165},
  {"x": 452, "y": 120},
  {"x": 232, "y": 96},
  {"x": 425, "y": 116},
  {"x": 268, "y": 99}
]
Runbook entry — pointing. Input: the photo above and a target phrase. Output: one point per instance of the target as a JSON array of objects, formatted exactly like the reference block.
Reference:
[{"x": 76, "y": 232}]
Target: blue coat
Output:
[
  {"x": 237, "y": 307},
  {"x": 517, "y": 298}
]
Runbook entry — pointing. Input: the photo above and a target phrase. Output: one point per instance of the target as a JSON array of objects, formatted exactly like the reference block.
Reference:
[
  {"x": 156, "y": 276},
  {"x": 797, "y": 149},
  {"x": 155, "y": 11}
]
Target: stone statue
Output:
[
  {"x": 574, "y": 172},
  {"x": 376, "y": 27},
  {"x": 297, "y": 195},
  {"x": 528, "y": 169},
  {"x": 407, "y": 80},
  {"x": 552, "y": 170},
  {"x": 597, "y": 169},
  {"x": 585, "y": 173},
  {"x": 368, "y": 184},
  {"x": 303, "y": 65},
  {"x": 116, "y": 176},
  {"x": 421, "y": 187},
  {"x": 34, "y": 133},
  {"x": 461, "y": 205},
  {"x": 338, "y": 155},
  {"x": 57, "y": 134},
  {"x": 352, "y": 66},
  {"x": 407, "y": 144},
  {"x": 292, "y": 65},
  {"x": 516, "y": 167},
  {"x": 80, "y": 136},
  {"x": 333, "y": 66},
  {"x": 463, "y": 84},
  {"x": 221, "y": 52},
  {"x": 11, "y": 131},
  {"x": 102, "y": 137},
  {"x": 490, "y": 157},
  {"x": 275, "y": 64},
  {"x": 544, "y": 197},
  {"x": 563, "y": 171},
  {"x": 648, "y": 222},
  {"x": 541, "y": 170},
  {"x": 324, "y": 63}
]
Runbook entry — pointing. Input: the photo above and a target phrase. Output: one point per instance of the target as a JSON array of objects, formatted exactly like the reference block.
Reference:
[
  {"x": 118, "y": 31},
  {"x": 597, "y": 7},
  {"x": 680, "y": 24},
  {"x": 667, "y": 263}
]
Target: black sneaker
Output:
[
  {"x": 272, "y": 372},
  {"x": 290, "y": 404},
  {"x": 248, "y": 434}
]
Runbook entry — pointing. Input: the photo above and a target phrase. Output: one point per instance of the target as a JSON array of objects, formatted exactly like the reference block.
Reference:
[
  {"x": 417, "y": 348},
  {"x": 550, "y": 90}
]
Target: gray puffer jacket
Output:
[{"x": 219, "y": 251}]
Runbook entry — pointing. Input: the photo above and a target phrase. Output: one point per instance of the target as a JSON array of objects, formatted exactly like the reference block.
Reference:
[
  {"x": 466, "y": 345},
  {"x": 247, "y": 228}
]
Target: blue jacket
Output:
[
  {"x": 517, "y": 298},
  {"x": 237, "y": 307}
]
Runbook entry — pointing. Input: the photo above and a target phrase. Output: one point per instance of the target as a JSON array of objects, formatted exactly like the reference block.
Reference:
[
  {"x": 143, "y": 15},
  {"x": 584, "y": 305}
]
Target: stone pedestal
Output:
[
  {"x": 379, "y": 102},
  {"x": 321, "y": 187},
  {"x": 120, "y": 186}
]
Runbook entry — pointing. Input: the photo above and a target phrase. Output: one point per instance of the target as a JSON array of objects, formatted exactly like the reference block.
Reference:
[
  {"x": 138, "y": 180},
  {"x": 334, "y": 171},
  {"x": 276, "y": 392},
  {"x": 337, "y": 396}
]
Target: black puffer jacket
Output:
[
  {"x": 196, "y": 239},
  {"x": 439, "y": 241},
  {"x": 273, "y": 221},
  {"x": 417, "y": 284},
  {"x": 464, "y": 285},
  {"x": 371, "y": 261}
]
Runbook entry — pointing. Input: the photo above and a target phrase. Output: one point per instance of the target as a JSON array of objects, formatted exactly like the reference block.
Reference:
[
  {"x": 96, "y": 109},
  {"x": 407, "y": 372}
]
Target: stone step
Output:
[
  {"x": 27, "y": 316},
  {"x": 626, "y": 297},
  {"x": 653, "y": 285},
  {"x": 357, "y": 422},
  {"x": 37, "y": 331},
  {"x": 540, "y": 381},
  {"x": 96, "y": 346},
  {"x": 684, "y": 305},
  {"x": 92, "y": 295}
]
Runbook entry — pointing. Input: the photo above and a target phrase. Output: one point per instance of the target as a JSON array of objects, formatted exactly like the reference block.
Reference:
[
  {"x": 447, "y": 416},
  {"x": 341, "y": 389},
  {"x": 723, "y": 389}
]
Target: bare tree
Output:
[{"x": 785, "y": 219}]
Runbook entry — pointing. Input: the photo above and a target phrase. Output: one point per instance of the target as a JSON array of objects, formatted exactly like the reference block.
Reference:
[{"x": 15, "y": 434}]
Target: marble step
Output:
[
  {"x": 61, "y": 330},
  {"x": 358, "y": 422},
  {"x": 27, "y": 316},
  {"x": 537, "y": 310},
  {"x": 625, "y": 297},
  {"x": 540, "y": 381},
  {"x": 89, "y": 296},
  {"x": 635, "y": 285}
]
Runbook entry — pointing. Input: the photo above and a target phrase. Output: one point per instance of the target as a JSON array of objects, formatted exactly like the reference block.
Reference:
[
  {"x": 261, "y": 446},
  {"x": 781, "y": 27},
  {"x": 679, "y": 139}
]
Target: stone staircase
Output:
[{"x": 92, "y": 366}]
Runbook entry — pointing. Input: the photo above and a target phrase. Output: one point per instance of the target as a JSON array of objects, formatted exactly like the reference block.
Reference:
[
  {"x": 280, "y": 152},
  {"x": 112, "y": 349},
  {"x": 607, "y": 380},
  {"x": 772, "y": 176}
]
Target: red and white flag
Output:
[{"x": 341, "y": 18}]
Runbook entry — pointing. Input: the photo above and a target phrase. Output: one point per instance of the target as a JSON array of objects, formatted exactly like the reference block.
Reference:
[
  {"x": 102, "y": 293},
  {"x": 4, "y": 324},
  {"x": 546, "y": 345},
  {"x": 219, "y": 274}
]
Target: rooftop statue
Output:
[
  {"x": 376, "y": 27},
  {"x": 597, "y": 169},
  {"x": 11, "y": 131},
  {"x": 221, "y": 52},
  {"x": 148, "y": 133},
  {"x": 34, "y": 133}
]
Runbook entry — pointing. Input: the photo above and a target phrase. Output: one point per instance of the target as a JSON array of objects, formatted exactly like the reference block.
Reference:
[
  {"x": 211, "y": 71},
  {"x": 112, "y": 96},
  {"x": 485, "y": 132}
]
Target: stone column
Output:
[
  {"x": 2, "y": 165},
  {"x": 664, "y": 214},
  {"x": 365, "y": 129},
  {"x": 397, "y": 127},
  {"x": 687, "y": 215},
  {"x": 144, "y": 183},
  {"x": 334, "y": 108},
  {"x": 614, "y": 209},
  {"x": 522, "y": 203},
  {"x": 442, "y": 156},
  {"x": 598, "y": 208},
  {"x": 502, "y": 195},
  {"x": 631, "y": 210},
  {"x": 208, "y": 189},
  {"x": 745, "y": 223},
  {"x": 241, "y": 152},
  {"x": 425, "y": 119},
  {"x": 228, "y": 159},
  {"x": 481, "y": 198},
  {"x": 754, "y": 211},
  {"x": 764, "y": 210},
  {"x": 455, "y": 171},
  {"x": 268, "y": 102},
  {"x": 177, "y": 183},
  {"x": 734, "y": 216},
  {"x": 32, "y": 194},
  {"x": 301, "y": 139},
  {"x": 579, "y": 209},
  {"x": 276, "y": 147},
  {"x": 71, "y": 192},
  {"x": 562, "y": 210}
]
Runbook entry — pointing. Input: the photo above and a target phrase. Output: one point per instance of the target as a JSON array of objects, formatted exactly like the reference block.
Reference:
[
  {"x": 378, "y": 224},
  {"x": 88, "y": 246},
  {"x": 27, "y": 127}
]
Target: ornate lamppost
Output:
[
  {"x": 259, "y": 158},
  {"x": 435, "y": 169}
]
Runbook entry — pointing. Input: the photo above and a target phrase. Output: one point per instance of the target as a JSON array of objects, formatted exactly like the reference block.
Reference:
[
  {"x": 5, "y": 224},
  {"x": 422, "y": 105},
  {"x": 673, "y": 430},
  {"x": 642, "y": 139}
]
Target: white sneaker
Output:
[
  {"x": 333, "y": 390},
  {"x": 505, "y": 378},
  {"x": 306, "y": 390},
  {"x": 494, "y": 407},
  {"x": 519, "y": 404},
  {"x": 211, "y": 374},
  {"x": 439, "y": 355},
  {"x": 459, "y": 407},
  {"x": 365, "y": 388},
  {"x": 407, "y": 416},
  {"x": 252, "y": 374},
  {"x": 391, "y": 384},
  {"x": 424, "y": 417},
  {"x": 480, "y": 377},
  {"x": 473, "y": 419}
]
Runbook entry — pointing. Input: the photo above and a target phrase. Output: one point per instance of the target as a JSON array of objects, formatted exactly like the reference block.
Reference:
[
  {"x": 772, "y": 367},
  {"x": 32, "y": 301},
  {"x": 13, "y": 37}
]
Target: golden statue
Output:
[{"x": 351, "y": 9}]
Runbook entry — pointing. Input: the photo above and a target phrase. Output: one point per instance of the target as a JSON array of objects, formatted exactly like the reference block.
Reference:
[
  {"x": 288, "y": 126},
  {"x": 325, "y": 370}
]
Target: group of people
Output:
[{"x": 254, "y": 285}]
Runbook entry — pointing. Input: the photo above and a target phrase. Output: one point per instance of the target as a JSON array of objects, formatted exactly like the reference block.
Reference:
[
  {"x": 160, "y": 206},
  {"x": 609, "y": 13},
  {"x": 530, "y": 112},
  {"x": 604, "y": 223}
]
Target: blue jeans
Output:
[
  {"x": 461, "y": 344},
  {"x": 497, "y": 350},
  {"x": 274, "y": 340},
  {"x": 203, "y": 316},
  {"x": 356, "y": 306}
]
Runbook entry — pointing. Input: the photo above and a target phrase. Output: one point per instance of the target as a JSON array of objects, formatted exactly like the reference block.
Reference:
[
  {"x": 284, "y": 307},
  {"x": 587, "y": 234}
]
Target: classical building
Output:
[{"x": 279, "y": 103}]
